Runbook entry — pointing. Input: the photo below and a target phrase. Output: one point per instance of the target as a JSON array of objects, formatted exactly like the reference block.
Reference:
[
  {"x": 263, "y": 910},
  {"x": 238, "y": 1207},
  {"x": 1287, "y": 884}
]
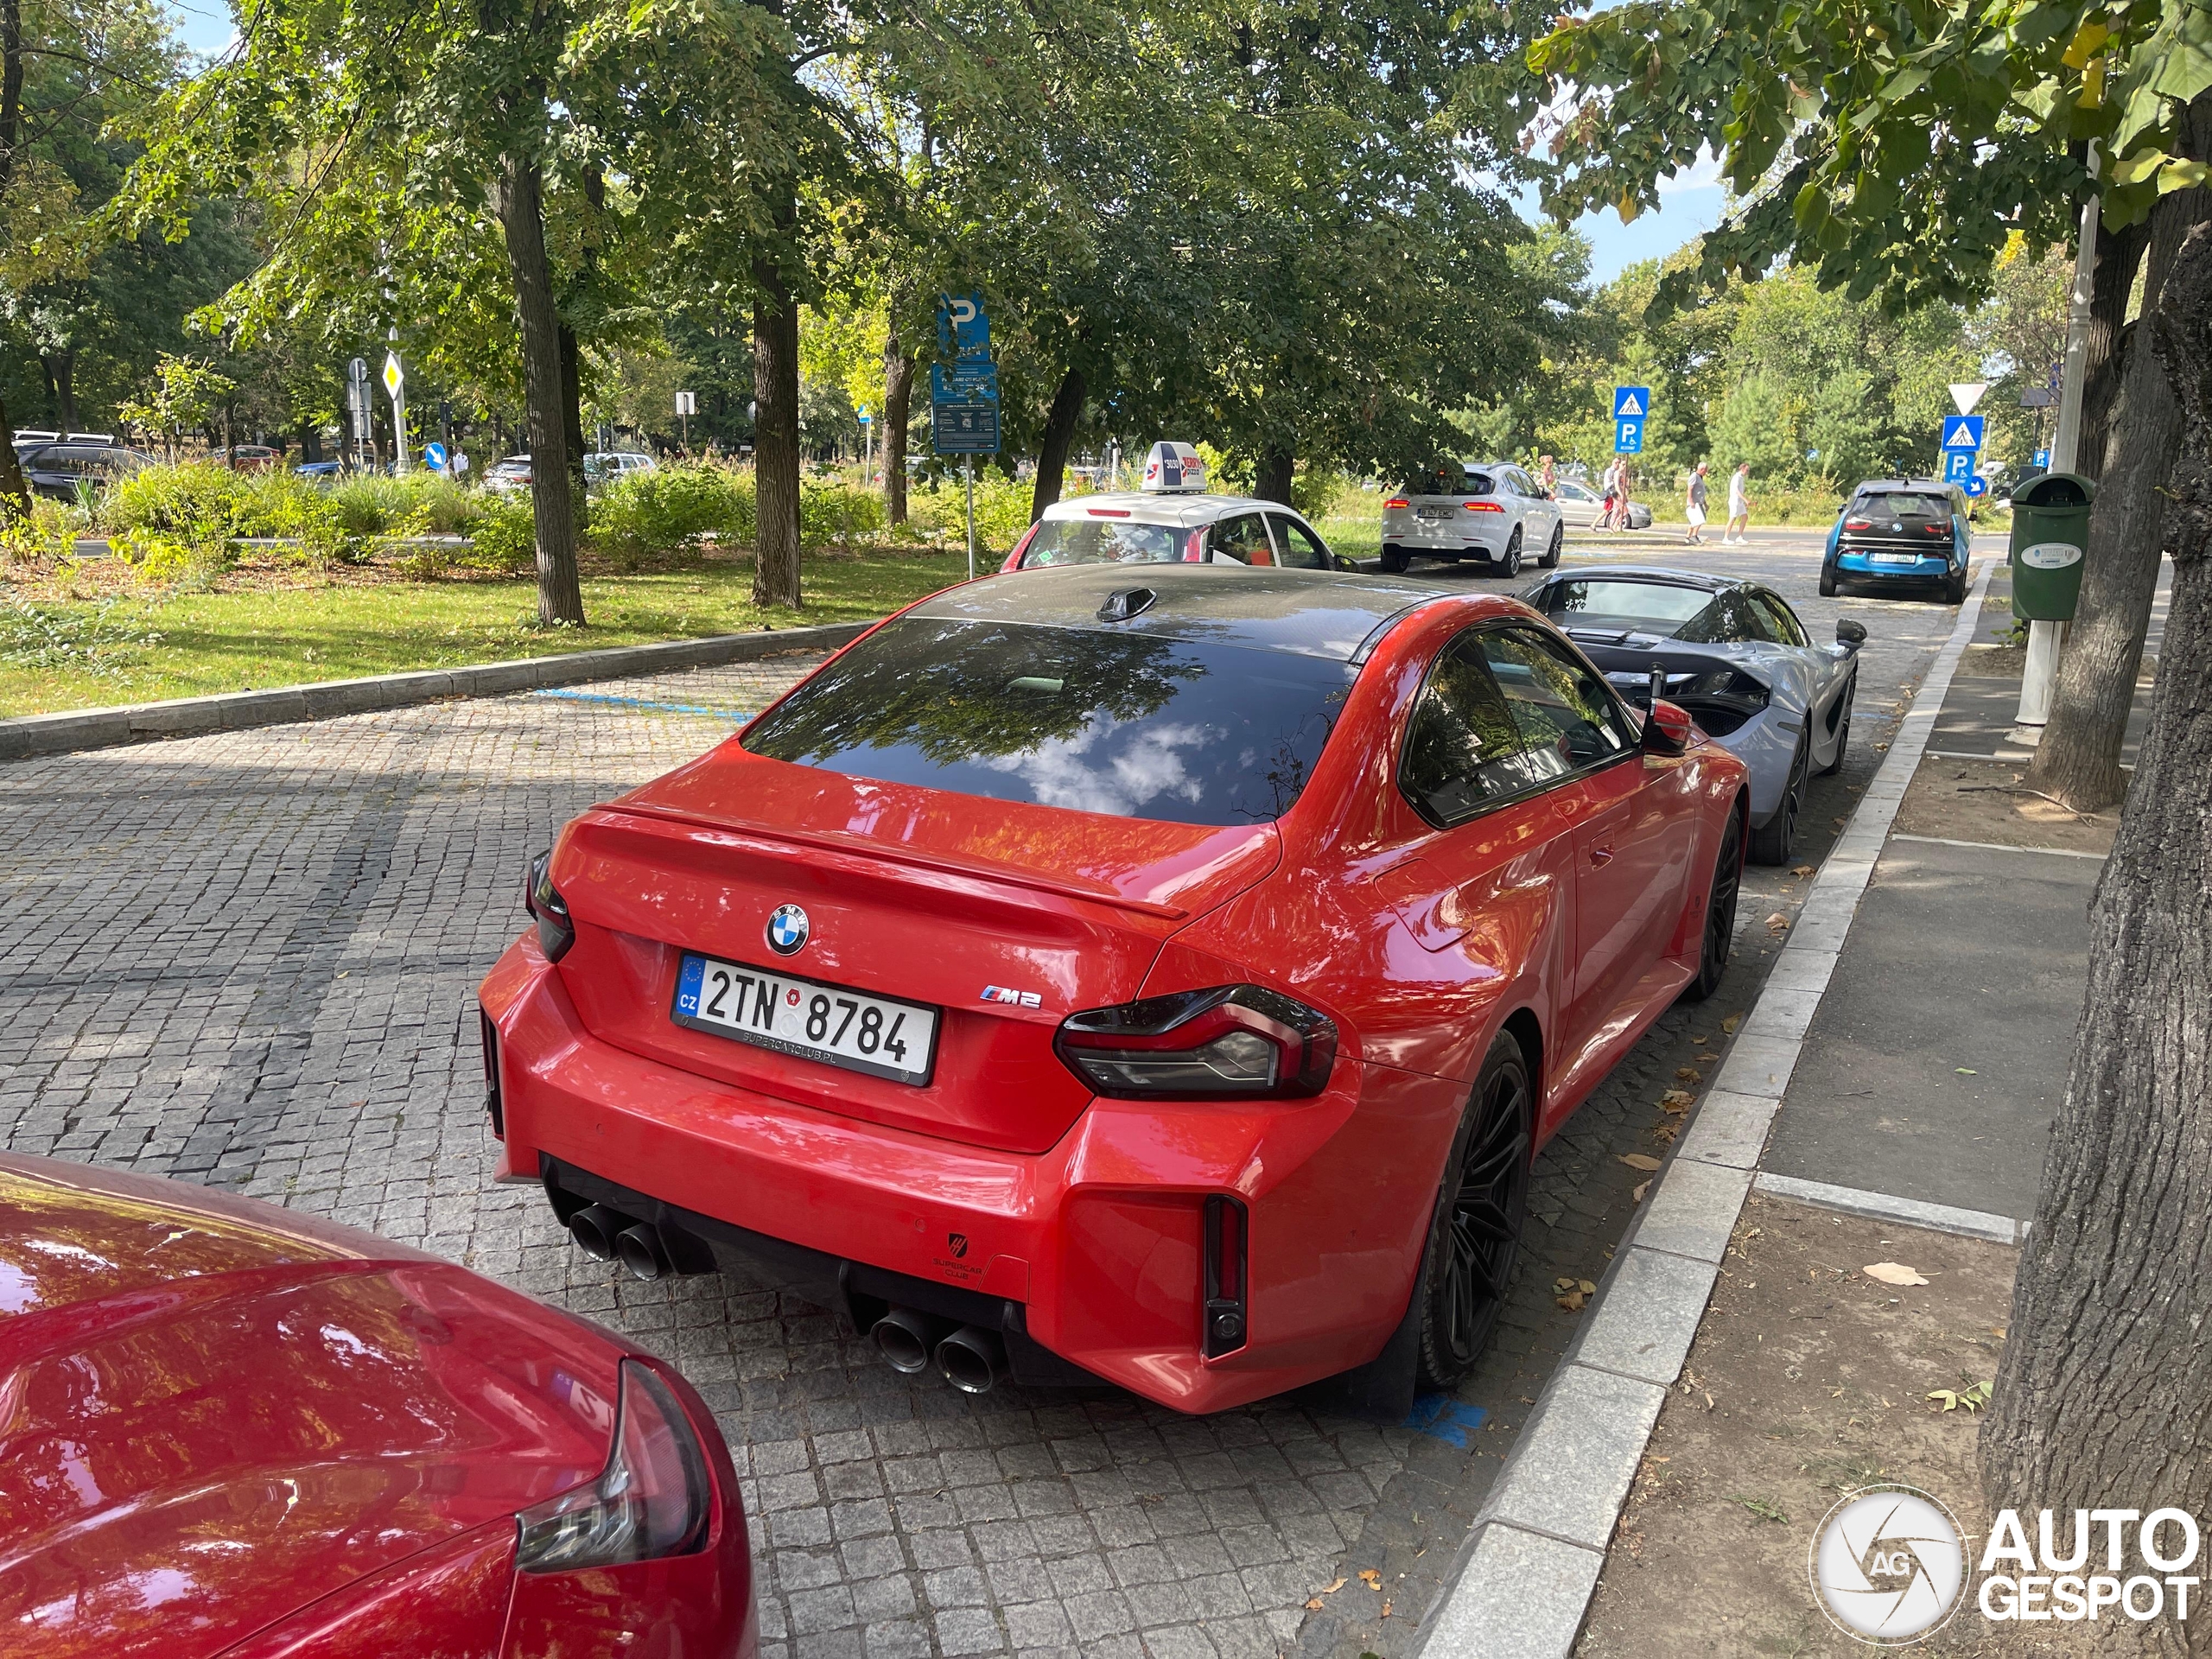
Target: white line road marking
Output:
[{"x": 1998, "y": 847}]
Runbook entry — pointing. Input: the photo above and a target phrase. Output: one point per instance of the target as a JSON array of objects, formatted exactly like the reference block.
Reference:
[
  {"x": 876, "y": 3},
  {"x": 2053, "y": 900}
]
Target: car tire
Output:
[
  {"x": 1774, "y": 840},
  {"x": 1550, "y": 561},
  {"x": 1954, "y": 589},
  {"x": 1509, "y": 562},
  {"x": 1481, "y": 1204},
  {"x": 1842, "y": 730},
  {"x": 1720, "y": 914},
  {"x": 1393, "y": 562},
  {"x": 1828, "y": 583}
]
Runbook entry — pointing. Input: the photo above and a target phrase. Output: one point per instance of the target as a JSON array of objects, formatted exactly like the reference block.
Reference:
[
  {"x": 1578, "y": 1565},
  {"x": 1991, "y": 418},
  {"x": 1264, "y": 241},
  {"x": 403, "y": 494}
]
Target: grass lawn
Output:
[{"x": 270, "y": 625}]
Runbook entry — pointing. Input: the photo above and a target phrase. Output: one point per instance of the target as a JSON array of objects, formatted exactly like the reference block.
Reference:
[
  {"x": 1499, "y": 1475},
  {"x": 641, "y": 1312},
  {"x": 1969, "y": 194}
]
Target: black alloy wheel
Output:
[
  {"x": 1954, "y": 589},
  {"x": 1827, "y": 581},
  {"x": 1842, "y": 729},
  {"x": 1475, "y": 1239},
  {"x": 1510, "y": 565},
  {"x": 1550, "y": 561},
  {"x": 1773, "y": 841},
  {"x": 1720, "y": 914}
]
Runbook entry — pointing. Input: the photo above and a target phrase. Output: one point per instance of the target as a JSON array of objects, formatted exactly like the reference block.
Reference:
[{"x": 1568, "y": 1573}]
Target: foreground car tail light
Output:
[
  {"x": 653, "y": 1499},
  {"x": 1859, "y": 524},
  {"x": 555, "y": 932},
  {"x": 1482, "y": 506},
  {"x": 1225, "y": 1235},
  {"x": 1230, "y": 1042},
  {"x": 1395, "y": 501}
]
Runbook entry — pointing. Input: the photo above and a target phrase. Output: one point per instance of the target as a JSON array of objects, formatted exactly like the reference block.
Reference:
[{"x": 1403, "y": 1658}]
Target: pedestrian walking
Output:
[
  {"x": 1693, "y": 507},
  {"x": 1737, "y": 530},
  {"x": 1547, "y": 474}
]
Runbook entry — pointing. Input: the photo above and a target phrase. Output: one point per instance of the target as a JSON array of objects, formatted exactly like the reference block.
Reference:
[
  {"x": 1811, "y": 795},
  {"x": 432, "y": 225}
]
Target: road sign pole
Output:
[{"x": 971, "y": 518}]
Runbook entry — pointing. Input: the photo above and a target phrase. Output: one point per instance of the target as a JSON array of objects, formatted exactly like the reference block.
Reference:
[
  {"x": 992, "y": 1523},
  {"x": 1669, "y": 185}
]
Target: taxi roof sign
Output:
[{"x": 1173, "y": 469}]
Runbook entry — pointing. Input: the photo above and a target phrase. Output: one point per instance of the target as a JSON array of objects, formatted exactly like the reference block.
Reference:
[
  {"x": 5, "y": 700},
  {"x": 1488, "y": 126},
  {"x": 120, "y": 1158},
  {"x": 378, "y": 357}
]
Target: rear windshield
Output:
[
  {"x": 1127, "y": 724},
  {"x": 1103, "y": 541},
  {"x": 1638, "y": 607},
  {"x": 1449, "y": 480},
  {"x": 1899, "y": 505}
]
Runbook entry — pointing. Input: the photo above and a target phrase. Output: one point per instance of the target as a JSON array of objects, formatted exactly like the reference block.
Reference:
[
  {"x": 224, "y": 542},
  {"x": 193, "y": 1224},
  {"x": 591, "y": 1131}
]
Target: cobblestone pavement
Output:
[{"x": 249, "y": 959}]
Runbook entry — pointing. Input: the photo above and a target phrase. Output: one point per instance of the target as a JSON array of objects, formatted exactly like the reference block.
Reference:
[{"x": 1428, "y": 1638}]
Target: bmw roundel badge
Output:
[{"x": 786, "y": 930}]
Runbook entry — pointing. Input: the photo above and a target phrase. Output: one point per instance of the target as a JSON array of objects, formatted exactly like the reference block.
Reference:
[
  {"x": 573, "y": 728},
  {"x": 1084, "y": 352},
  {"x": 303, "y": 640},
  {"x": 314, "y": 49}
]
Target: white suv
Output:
[{"x": 1490, "y": 512}]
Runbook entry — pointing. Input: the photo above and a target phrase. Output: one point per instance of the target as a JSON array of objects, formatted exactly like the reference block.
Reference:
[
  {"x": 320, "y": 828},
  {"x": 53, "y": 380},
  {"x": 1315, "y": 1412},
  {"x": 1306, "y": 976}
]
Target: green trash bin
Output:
[{"x": 2051, "y": 533}]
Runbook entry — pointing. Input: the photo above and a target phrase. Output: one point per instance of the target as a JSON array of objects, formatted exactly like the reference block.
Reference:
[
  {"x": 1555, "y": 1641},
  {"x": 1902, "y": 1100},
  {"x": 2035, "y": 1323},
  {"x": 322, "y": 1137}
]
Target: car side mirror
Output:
[
  {"x": 1667, "y": 729},
  {"x": 1338, "y": 562},
  {"x": 1848, "y": 632}
]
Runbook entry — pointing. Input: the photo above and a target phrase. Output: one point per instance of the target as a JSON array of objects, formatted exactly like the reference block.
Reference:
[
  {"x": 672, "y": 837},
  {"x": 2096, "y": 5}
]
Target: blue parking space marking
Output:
[
  {"x": 1443, "y": 1418},
  {"x": 644, "y": 702}
]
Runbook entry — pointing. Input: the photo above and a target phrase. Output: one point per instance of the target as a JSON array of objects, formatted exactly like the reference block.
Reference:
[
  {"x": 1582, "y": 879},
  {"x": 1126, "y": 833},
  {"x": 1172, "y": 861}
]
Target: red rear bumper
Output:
[{"x": 1098, "y": 1238}]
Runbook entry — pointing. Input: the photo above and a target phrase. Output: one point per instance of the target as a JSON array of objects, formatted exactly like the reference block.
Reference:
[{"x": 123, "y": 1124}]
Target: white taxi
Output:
[{"x": 1170, "y": 518}]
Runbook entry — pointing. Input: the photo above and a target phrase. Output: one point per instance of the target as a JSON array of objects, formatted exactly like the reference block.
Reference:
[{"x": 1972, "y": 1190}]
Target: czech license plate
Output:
[
  {"x": 1896, "y": 558},
  {"x": 805, "y": 1017},
  {"x": 1434, "y": 515}
]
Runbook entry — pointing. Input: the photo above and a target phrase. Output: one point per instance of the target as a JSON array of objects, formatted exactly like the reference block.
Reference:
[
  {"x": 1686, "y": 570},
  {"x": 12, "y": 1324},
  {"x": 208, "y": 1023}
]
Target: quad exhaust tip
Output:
[
  {"x": 640, "y": 1248},
  {"x": 905, "y": 1338},
  {"x": 972, "y": 1360},
  {"x": 595, "y": 1228}
]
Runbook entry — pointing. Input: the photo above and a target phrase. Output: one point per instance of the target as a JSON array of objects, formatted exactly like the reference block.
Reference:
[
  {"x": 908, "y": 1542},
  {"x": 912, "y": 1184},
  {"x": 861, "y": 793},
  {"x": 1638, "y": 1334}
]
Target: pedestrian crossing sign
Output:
[
  {"x": 1631, "y": 403},
  {"x": 1962, "y": 432}
]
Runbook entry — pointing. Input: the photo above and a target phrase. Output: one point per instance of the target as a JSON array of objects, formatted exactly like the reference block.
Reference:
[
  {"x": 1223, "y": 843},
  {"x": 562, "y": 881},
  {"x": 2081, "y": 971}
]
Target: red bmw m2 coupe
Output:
[{"x": 1162, "y": 977}]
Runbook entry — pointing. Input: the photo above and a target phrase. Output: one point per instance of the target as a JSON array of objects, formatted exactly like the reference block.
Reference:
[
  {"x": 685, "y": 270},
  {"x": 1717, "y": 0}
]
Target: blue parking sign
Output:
[
  {"x": 1958, "y": 466},
  {"x": 1628, "y": 437}
]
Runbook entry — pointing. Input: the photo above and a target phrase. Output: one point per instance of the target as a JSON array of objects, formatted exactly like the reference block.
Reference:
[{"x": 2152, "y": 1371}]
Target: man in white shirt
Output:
[{"x": 1739, "y": 507}]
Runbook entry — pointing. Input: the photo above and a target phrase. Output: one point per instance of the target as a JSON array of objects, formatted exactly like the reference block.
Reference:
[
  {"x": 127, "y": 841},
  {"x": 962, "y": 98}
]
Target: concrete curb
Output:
[
  {"x": 228, "y": 711},
  {"x": 1526, "y": 1574}
]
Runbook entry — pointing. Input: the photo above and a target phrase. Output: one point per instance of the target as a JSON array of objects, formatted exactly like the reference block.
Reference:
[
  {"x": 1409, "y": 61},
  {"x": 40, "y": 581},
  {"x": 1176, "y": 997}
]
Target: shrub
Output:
[
  {"x": 672, "y": 510},
  {"x": 1002, "y": 511},
  {"x": 197, "y": 501},
  {"x": 832, "y": 510},
  {"x": 369, "y": 504},
  {"x": 503, "y": 536}
]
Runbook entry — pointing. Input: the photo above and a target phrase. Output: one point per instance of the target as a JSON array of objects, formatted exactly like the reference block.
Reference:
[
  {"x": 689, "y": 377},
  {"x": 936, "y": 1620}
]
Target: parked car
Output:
[
  {"x": 248, "y": 458},
  {"x": 1581, "y": 506},
  {"x": 504, "y": 476},
  {"x": 1738, "y": 657},
  {"x": 236, "y": 1430},
  {"x": 602, "y": 467},
  {"x": 1493, "y": 513},
  {"x": 1897, "y": 530},
  {"x": 321, "y": 472},
  {"x": 1159, "y": 976},
  {"x": 1172, "y": 518},
  {"x": 63, "y": 471}
]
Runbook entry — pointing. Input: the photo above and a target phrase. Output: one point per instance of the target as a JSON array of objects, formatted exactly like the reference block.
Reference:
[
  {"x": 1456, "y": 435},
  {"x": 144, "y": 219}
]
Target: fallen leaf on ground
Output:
[
  {"x": 1677, "y": 1100},
  {"x": 1386, "y": 1610},
  {"x": 1642, "y": 1187},
  {"x": 1371, "y": 1578},
  {"x": 1695, "y": 1038},
  {"x": 1966, "y": 1070},
  {"x": 1315, "y": 1605},
  {"x": 1639, "y": 1161},
  {"x": 1730, "y": 1024},
  {"x": 1802, "y": 869},
  {"x": 1777, "y": 921},
  {"x": 1893, "y": 1273},
  {"x": 1332, "y": 1587},
  {"x": 1664, "y": 1131},
  {"x": 1688, "y": 1073}
]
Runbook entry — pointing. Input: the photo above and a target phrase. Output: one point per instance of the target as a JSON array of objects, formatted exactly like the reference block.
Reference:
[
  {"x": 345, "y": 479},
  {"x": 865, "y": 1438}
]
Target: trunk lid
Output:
[{"x": 923, "y": 895}]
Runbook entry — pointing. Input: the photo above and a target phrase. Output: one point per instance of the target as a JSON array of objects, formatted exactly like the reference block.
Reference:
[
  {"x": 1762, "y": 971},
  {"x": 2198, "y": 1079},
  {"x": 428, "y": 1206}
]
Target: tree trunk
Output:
[
  {"x": 15, "y": 495},
  {"x": 1060, "y": 423},
  {"x": 2101, "y": 1398},
  {"x": 775, "y": 439},
  {"x": 1272, "y": 483},
  {"x": 62, "y": 366},
  {"x": 2111, "y": 283},
  {"x": 572, "y": 423},
  {"x": 898, "y": 396},
  {"x": 2078, "y": 759},
  {"x": 522, "y": 217}
]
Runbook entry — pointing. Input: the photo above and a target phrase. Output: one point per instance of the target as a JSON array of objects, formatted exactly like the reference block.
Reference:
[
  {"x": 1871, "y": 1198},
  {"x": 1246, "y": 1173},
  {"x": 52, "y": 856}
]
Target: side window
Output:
[
  {"x": 1464, "y": 750},
  {"x": 1244, "y": 539},
  {"x": 1782, "y": 622},
  {"x": 1296, "y": 547},
  {"x": 1568, "y": 718},
  {"x": 1519, "y": 482}
]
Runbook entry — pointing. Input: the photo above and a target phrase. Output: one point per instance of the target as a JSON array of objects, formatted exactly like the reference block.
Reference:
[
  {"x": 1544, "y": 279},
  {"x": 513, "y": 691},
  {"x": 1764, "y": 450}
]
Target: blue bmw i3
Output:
[{"x": 1900, "y": 531}]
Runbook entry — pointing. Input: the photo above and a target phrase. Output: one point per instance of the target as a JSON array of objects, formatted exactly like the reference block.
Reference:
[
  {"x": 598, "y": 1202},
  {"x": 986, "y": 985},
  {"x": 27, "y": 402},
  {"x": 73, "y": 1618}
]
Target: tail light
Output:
[
  {"x": 1859, "y": 524},
  {"x": 1231, "y": 1042},
  {"x": 1395, "y": 501},
  {"x": 653, "y": 1499},
  {"x": 555, "y": 932},
  {"x": 1482, "y": 506},
  {"x": 1194, "y": 547},
  {"x": 1225, "y": 1237},
  {"x": 1108, "y": 512},
  {"x": 492, "y": 1105}
]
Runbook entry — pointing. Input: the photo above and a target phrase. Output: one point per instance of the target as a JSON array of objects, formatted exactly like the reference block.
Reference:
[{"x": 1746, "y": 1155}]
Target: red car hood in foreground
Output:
[{"x": 212, "y": 1413}]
